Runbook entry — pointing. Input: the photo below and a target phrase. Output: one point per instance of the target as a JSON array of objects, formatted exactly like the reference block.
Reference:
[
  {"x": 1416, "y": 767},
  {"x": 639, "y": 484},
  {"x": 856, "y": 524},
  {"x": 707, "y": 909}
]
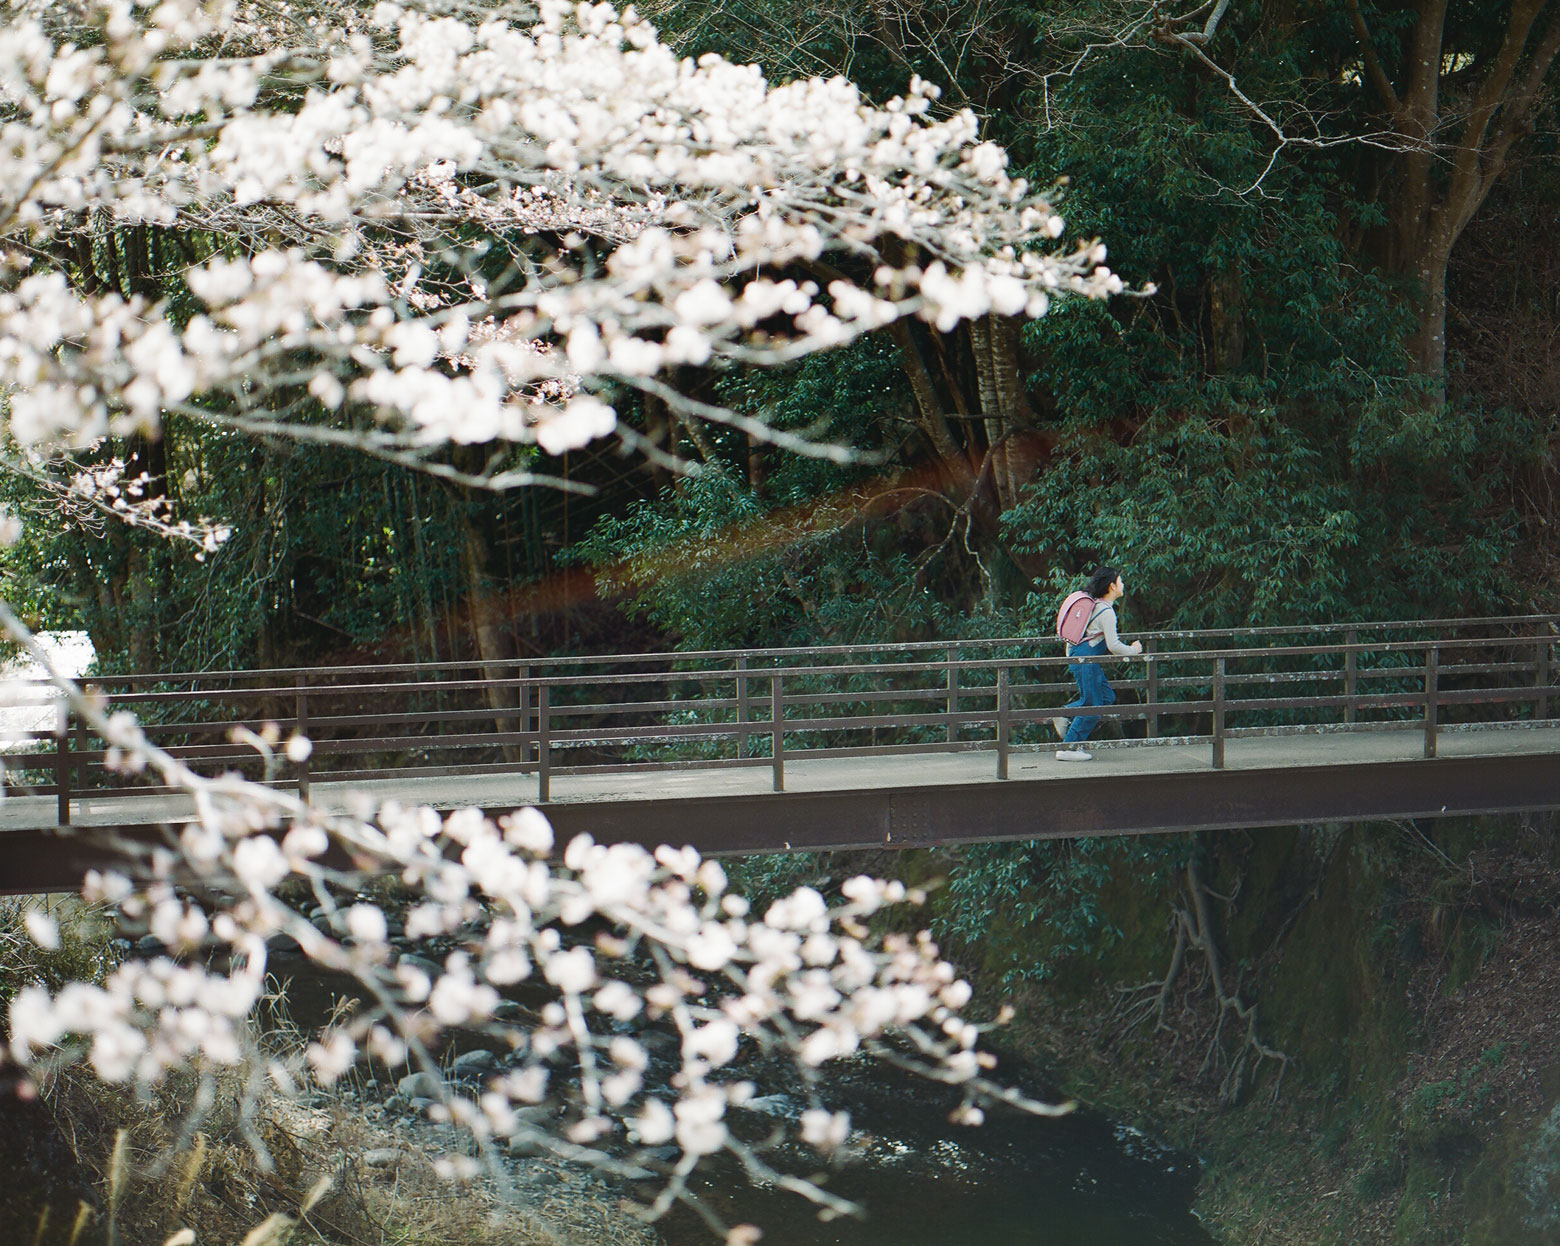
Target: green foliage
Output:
[
  {"x": 1249, "y": 443},
  {"x": 1249, "y": 522},
  {"x": 766, "y": 877},
  {"x": 815, "y": 552},
  {"x": 84, "y": 954},
  {"x": 325, "y": 551},
  {"x": 1021, "y": 909}
]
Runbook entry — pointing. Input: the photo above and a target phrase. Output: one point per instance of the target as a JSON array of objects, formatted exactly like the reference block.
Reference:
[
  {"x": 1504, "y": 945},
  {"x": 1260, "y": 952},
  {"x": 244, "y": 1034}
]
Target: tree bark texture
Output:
[
  {"x": 487, "y": 626},
  {"x": 1456, "y": 122}
]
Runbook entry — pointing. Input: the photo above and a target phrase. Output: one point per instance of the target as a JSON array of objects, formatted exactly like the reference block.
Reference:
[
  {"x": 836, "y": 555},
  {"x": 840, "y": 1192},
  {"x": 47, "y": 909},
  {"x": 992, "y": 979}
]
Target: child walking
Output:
[{"x": 1107, "y": 587}]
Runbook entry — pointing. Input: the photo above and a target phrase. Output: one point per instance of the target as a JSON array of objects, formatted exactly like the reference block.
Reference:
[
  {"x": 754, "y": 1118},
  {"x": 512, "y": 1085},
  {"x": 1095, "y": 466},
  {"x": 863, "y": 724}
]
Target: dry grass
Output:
[
  {"x": 155, "y": 1175},
  {"x": 189, "y": 1157},
  {"x": 336, "y": 1171}
]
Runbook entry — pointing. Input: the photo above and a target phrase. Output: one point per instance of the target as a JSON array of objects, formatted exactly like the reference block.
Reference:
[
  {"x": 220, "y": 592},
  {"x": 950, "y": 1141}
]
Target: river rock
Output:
[
  {"x": 284, "y": 946},
  {"x": 771, "y": 1105},
  {"x": 421, "y": 1084},
  {"x": 510, "y": 1011},
  {"x": 473, "y": 1063},
  {"x": 382, "y": 1157},
  {"x": 412, "y": 961}
]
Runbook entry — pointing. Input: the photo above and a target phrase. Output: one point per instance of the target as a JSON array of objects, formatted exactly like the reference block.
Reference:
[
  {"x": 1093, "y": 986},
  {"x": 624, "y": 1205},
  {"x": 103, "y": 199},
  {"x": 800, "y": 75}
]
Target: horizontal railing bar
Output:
[
  {"x": 793, "y": 651},
  {"x": 324, "y": 778},
  {"x": 679, "y": 731},
  {"x": 1379, "y": 700},
  {"x": 1485, "y": 696},
  {"x": 937, "y": 693},
  {"x": 1118, "y": 710},
  {"x": 689, "y": 763},
  {"x": 325, "y": 691},
  {"x": 424, "y": 716},
  {"x": 381, "y": 744},
  {"x": 314, "y": 691},
  {"x": 636, "y": 707},
  {"x": 895, "y": 750}
]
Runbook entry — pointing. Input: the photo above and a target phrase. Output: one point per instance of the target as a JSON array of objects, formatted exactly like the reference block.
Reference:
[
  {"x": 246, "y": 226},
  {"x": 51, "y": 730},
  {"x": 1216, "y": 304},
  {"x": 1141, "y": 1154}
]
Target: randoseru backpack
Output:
[{"x": 1074, "y": 616}]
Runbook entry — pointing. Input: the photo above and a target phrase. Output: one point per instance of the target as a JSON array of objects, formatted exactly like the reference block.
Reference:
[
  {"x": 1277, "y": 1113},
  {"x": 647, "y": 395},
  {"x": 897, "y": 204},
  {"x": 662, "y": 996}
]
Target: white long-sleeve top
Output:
[{"x": 1104, "y": 624}]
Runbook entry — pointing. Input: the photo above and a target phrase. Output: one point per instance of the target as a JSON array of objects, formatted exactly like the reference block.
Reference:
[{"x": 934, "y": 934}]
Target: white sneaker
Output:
[
  {"x": 1061, "y": 725},
  {"x": 1073, "y": 754}
]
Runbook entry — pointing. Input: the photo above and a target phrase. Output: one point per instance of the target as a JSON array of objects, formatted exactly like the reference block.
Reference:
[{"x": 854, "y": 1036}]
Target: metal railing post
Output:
[
  {"x": 523, "y": 701},
  {"x": 62, "y": 759},
  {"x": 1543, "y": 673},
  {"x": 1432, "y": 680},
  {"x": 742, "y": 705},
  {"x": 301, "y": 727},
  {"x": 776, "y": 731},
  {"x": 953, "y": 695},
  {"x": 1351, "y": 675},
  {"x": 1151, "y": 689},
  {"x": 543, "y": 748},
  {"x": 1218, "y": 713},
  {"x": 81, "y": 753},
  {"x": 1003, "y": 694}
]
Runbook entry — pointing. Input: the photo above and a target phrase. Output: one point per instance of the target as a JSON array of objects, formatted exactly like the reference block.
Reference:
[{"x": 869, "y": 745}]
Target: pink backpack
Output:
[{"x": 1074, "y": 616}]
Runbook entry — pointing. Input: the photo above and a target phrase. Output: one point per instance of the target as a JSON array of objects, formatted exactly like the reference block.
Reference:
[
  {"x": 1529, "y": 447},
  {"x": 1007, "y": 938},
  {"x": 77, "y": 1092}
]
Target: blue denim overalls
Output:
[{"x": 1093, "y": 689}]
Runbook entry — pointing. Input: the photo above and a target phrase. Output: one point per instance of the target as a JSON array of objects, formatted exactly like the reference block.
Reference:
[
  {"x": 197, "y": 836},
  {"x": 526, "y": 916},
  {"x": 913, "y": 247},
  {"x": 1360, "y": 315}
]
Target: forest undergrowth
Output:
[{"x": 1398, "y": 1081}]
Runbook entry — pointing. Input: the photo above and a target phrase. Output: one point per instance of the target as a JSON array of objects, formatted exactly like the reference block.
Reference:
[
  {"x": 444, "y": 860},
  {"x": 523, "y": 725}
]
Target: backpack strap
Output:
[{"x": 1093, "y": 614}]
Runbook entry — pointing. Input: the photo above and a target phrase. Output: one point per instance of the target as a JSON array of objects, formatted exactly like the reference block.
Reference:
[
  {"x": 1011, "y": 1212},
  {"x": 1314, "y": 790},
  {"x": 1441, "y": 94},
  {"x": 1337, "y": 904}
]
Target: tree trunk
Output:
[
  {"x": 487, "y": 626},
  {"x": 658, "y": 432},
  {"x": 928, "y": 405},
  {"x": 146, "y": 458},
  {"x": 1008, "y": 382},
  {"x": 1453, "y": 151},
  {"x": 995, "y": 346},
  {"x": 1226, "y": 325}
]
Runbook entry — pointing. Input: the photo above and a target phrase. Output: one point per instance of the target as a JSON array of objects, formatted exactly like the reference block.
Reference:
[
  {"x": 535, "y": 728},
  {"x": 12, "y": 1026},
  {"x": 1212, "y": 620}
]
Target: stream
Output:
[
  {"x": 921, "y": 1181},
  {"x": 1017, "y": 1179}
]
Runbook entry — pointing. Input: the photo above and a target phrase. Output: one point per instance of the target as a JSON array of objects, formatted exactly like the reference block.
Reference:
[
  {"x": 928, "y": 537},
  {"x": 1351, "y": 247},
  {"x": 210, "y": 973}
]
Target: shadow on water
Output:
[{"x": 1015, "y": 1180}]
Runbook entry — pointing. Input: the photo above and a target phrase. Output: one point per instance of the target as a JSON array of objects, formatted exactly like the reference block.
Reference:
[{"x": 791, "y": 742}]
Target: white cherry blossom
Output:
[{"x": 697, "y": 183}]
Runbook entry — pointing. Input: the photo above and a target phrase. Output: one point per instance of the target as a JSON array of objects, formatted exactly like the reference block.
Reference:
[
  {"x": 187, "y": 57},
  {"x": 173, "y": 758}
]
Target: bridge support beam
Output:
[
  {"x": 1062, "y": 808},
  {"x": 918, "y": 817}
]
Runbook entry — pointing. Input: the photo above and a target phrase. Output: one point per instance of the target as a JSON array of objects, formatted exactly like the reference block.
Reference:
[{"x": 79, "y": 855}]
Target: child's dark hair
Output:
[{"x": 1100, "y": 582}]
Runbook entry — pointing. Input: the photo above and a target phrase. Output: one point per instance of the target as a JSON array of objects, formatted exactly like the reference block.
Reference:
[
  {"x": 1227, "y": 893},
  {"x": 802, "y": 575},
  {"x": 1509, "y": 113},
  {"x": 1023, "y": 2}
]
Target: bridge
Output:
[{"x": 845, "y": 746}]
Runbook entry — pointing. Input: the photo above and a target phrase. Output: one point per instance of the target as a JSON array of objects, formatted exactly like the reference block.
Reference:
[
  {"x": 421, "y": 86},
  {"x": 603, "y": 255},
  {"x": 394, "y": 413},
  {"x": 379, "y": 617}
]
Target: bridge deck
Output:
[{"x": 854, "y": 802}]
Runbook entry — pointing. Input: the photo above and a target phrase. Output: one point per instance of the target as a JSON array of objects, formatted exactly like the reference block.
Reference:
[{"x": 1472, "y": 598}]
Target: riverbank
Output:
[
  {"x": 1398, "y": 990},
  {"x": 336, "y": 1167}
]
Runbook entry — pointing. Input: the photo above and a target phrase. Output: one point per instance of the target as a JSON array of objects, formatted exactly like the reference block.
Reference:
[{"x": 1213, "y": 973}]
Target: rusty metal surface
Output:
[{"x": 1090, "y": 804}]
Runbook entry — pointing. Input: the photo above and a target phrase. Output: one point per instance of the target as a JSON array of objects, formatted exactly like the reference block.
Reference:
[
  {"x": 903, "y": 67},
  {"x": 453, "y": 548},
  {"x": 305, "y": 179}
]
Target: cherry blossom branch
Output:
[{"x": 805, "y": 979}]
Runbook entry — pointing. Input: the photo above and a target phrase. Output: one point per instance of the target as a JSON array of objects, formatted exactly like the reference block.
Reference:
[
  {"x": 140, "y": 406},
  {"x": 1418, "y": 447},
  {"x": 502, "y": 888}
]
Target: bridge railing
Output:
[{"x": 759, "y": 708}]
